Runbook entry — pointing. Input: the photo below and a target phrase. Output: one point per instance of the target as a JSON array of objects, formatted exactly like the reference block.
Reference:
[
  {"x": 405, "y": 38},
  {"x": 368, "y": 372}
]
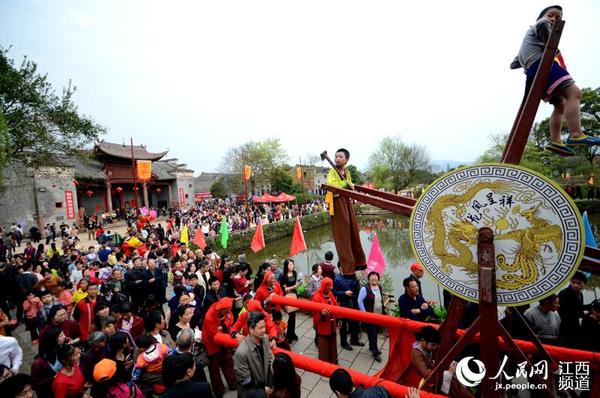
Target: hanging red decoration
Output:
[
  {"x": 119, "y": 189},
  {"x": 89, "y": 193},
  {"x": 158, "y": 190},
  {"x": 75, "y": 182},
  {"x": 136, "y": 189}
]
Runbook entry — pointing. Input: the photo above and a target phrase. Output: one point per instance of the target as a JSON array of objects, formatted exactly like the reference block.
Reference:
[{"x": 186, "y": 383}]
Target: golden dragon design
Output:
[
  {"x": 459, "y": 231},
  {"x": 530, "y": 242}
]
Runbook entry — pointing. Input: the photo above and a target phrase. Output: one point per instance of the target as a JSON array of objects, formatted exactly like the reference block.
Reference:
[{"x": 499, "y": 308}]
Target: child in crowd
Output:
[
  {"x": 281, "y": 340},
  {"x": 560, "y": 89},
  {"x": 31, "y": 306}
]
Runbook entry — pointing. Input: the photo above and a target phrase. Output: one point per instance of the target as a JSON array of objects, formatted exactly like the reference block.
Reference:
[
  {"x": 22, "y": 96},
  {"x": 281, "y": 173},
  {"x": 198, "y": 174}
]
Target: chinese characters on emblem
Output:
[{"x": 504, "y": 201}]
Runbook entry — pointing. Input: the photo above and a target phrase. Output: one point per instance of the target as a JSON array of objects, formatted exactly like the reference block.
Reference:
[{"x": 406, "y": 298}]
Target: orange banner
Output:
[
  {"x": 144, "y": 169},
  {"x": 247, "y": 172},
  {"x": 298, "y": 173}
]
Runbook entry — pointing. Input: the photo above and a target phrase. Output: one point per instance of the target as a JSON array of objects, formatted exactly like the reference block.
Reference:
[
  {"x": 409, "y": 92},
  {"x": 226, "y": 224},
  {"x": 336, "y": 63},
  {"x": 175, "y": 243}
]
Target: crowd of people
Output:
[{"x": 141, "y": 318}]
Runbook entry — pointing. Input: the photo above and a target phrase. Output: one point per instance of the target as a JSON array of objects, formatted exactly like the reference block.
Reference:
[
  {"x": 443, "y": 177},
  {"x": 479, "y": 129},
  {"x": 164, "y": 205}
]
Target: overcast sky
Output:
[{"x": 199, "y": 77}]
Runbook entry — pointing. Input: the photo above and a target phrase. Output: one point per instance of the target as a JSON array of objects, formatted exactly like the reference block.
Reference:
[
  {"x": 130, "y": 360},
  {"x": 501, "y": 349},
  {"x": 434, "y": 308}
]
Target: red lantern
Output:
[
  {"x": 136, "y": 189},
  {"x": 119, "y": 189},
  {"x": 158, "y": 190},
  {"x": 89, "y": 193}
]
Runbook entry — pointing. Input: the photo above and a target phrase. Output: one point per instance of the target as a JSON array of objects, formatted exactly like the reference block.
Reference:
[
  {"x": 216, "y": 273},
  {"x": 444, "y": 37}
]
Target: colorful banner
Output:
[
  {"x": 144, "y": 169},
  {"x": 70, "y": 205},
  {"x": 181, "y": 197},
  {"x": 247, "y": 172},
  {"x": 298, "y": 173}
]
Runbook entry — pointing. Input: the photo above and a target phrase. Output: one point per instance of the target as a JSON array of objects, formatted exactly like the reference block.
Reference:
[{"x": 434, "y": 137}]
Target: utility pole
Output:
[{"x": 133, "y": 173}]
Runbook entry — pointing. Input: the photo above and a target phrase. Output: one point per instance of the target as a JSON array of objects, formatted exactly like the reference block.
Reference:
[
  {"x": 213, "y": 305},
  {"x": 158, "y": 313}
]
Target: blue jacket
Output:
[
  {"x": 340, "y": 285},
  {"x": 406, "y": 304}
]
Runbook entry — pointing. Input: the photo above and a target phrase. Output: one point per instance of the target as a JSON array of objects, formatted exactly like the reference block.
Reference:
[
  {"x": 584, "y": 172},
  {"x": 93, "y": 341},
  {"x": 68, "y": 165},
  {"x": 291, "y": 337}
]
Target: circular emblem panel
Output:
[{"x": 538, "y": 232}]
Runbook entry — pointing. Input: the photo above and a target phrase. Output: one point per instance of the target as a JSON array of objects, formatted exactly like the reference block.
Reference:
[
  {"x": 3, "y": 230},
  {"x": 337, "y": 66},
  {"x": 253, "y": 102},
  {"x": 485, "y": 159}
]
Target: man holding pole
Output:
[{"x": 344, "y": 225}]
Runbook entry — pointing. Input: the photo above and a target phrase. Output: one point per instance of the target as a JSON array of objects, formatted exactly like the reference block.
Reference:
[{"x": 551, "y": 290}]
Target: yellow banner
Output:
[
  {"x": 247, "y": 172},
  {"x": 298, "y": 173},
  {"x": 144, "y": 169}
]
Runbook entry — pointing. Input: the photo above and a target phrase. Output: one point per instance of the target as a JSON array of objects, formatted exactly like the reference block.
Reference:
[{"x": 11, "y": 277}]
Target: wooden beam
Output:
[
  {"x": 394, "y": 207},
  {"x": 513, "y": 152}
]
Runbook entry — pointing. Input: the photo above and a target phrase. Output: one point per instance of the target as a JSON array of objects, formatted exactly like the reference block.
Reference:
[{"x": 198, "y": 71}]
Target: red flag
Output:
[
  {"x": 298, "y": 242},
  {"x": 199, "y": 238},
  {"x": 258, "y": 241}
]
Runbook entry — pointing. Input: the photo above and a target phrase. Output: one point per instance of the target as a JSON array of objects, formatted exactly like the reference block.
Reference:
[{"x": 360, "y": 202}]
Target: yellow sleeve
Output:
[{"x": 334, "y": 179}]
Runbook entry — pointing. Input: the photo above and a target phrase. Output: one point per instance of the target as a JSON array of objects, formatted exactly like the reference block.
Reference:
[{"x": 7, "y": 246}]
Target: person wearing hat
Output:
[
  {"x": 267, "y": 288},
  {"x": 218, "y": 319},
  {"x": 416, "y": 273},
  {"x": 108, "y": 384}
]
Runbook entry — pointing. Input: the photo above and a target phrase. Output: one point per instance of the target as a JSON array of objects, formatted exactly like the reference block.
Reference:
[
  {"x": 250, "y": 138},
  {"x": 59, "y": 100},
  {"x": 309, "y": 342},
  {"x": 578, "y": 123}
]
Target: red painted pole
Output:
[
  {"x": 558, "y": 353},
  {"x": 325, "y": 369}
]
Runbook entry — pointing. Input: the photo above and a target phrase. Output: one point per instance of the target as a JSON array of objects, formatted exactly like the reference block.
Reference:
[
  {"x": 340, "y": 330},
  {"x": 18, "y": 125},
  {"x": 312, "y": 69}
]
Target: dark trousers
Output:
[
  {"x": 327, "y": 346},
  {"x": 31, "y": 324},
  {"x": 349, "y": 326},
  {"x": 372, "y": 331},
  {"x": 290, "y": 333},
  {"x": 222, "y": 361}
]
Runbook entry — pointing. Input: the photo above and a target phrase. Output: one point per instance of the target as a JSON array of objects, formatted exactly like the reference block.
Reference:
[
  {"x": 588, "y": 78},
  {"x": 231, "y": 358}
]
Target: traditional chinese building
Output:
[
  {"x": 106, "y": 182},
  {"x": 112, "y": 181}
]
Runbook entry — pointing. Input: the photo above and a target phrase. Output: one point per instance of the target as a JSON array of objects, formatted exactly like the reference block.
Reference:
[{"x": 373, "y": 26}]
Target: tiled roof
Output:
[{"x": 124, "y": 151}]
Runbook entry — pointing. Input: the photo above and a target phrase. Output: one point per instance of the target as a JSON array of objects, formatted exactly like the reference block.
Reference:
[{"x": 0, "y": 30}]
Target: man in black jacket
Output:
[
  {"x": 136, "y": 280},
  {"x": 571, "y": 309},
  {"x": 179, "y": 368}
]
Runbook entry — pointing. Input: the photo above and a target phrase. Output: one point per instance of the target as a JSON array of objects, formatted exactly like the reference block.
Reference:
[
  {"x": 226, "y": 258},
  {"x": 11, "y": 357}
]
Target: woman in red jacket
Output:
[
  {"x": 325, "y": 323},
  {"x": 69, "y": 380},
  {"x": 219, "y": 319},
  {"x": 268, "y": 287}
]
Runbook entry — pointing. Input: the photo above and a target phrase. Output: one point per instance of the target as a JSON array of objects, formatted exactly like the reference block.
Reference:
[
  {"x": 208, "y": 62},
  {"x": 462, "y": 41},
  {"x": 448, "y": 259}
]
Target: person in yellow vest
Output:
[{"x": 344, "y": 225}]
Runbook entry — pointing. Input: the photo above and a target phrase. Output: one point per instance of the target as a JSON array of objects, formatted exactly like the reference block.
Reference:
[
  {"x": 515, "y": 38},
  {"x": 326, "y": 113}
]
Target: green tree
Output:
[
  {"x": 263, "y": 156},
  {"x": 42, "y": 128},
  {"x": 396, "y": 165},
  {"x": 357, "y": 177},
  {"x": 217, "y": 189},
  {"x": 282, "y": 180},
  {"x": 534, "y": 155}
]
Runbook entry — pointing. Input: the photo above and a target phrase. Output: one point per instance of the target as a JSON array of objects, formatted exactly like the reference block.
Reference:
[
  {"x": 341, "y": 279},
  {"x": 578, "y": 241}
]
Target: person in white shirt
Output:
[{"x": 11, "y": 354}]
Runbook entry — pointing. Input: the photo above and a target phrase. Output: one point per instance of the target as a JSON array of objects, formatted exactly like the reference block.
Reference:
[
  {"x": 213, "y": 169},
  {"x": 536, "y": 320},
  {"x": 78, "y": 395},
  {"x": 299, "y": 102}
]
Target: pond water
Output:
[{"x": 392, "y": 231}]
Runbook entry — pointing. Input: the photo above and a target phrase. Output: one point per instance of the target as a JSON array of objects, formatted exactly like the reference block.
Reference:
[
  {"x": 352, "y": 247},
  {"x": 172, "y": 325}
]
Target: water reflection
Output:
[{"x": 392, "y": 231}]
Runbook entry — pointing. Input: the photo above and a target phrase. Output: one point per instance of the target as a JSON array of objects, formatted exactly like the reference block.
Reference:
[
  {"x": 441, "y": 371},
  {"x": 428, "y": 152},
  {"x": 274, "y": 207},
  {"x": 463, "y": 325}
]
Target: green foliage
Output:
[
  {"x": 395, "y": 165},
  {"x": 3, "y": 145},
  {"x": 217, "y": 190},
  {"x": 534, "y": 156},
  {"x": 263, "y": 156},
  {"x": 302, "y": 291},
  {"x": 357, "y": 177},
  {"x": 282, "y": 181},
  {"x": 42, "y": 128}
]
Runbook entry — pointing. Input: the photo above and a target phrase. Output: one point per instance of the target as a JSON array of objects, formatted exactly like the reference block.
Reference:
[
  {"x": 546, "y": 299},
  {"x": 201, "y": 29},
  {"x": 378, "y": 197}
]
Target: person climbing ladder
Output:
[{"x": 560, "y": 90}]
